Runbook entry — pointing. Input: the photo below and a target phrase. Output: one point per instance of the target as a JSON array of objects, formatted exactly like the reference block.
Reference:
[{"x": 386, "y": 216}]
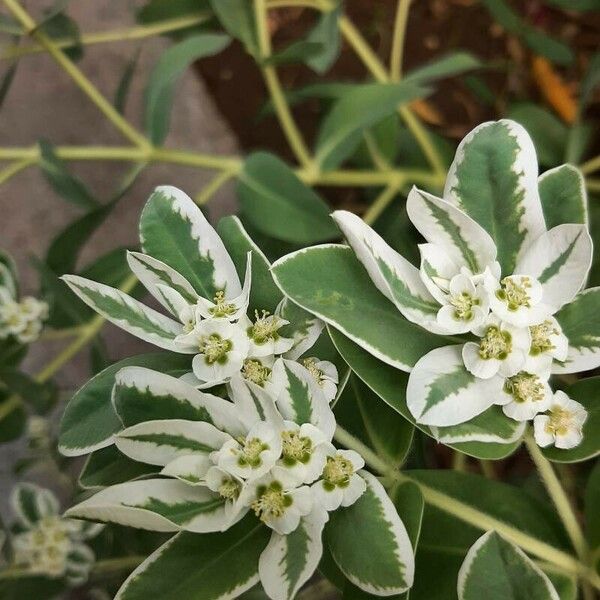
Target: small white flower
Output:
[
  {"x": 264, "y": 336},
  {"x": 229, "y": 487},
  {"x": 563, "y": 424},
  {"x": 502, "y": 349},
  {"x": 517, "y": 299},
  {"x": 304, "y": 450},
  {"x": 340, "y": 484},
  {"x": 278, "y": 503},
  {"x": 187, "y": 313},
  {"x": 525, "y": 395},
  {"x": 23, "y": 319},
  {"x": 258, "y": 370},
  {"x": 222, "y": 348},
  {"x": 466, "y": 305},
  {"x": 251, "y": 456},
  {"x": 548, "y": 342},
  {"x": 325, "y": 374}
]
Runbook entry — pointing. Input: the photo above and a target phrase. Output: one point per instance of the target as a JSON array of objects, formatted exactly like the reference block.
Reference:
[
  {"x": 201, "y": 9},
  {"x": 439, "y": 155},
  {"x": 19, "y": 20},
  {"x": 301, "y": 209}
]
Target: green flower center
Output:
[
  {"x": 249, "y": 455},
  {"x": 525, "y": 387},
  {"x": 229, "y": 489},
  {"x": 337, "y": 472},
  {"x": 540, "y": 338},
  {"x": 495, "y": 344},
  {"x": 265, "y": 327},
  {"x": 561, "y": 420},
  {"x": 463, "y": 304},
  {"x": 514, "y": 291},
  {"x": 295, "y": 448},
  {"x": 255, "y": 371},
  {"x": 215, "y": 348},
  {"x": 222, "y": 308},
  {"x": 271, "y": 502}
]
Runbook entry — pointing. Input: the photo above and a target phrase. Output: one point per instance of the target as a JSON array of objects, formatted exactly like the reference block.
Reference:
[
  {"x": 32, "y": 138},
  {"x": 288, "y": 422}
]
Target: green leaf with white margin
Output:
[
  {"x": 580, "y": 322},
  {"x": 142, "y": 394},
  {"x": 189, "y": 468},
  {"x": 156, "y": 505},
  {"x": 464, "y": 241},
  {"x": 499, "y": 570},
  {"x": 362, "y": 106},
  {"x": 563, "y": 196},
  {"x": 442, "y": 392},
  {"x": 303, "y": 327},
  {"x": 586, "y": 392},
  {"x": 560, "y": 260},
  {"x": 213, "y": 566},
  {"x": 397, "y": 279},
  {"x": 90, "y": 421},
  {"x": 370, "y": 544},
  {"x": 493, "y": 179},
  {"x": 160, "y": 442},
  {"x": 289, "y": 561},
  {"x": 152, "y": 272},
  {"x": 490, "y": 435},
  {"x": 299, "y": 397},
  {"x": 289, "y": 211},
  {"x": 127, "y": 313},
  {"x": 331, "y": 283},
  {"x": 8, "y": 273},
  {"x": 264, "y": 294},
  {"x": 31, "y": 503},
  {"x": 174, "y": 230}
]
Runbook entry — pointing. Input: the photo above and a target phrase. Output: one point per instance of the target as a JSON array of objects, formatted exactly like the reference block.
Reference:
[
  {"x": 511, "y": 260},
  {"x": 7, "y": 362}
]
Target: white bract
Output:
[{"x": 562, "y": 425}]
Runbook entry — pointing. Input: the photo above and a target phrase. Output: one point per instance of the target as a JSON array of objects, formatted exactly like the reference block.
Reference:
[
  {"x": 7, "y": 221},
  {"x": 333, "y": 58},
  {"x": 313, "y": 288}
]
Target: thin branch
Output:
[{"x": 397, "y": 51}]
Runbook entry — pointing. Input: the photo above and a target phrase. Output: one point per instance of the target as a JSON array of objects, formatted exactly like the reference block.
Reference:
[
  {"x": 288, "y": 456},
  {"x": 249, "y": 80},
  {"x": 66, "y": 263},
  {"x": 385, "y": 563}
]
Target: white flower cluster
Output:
[
  {"x": 49, "y": 544},
  {"x": 22, "y": 319}
]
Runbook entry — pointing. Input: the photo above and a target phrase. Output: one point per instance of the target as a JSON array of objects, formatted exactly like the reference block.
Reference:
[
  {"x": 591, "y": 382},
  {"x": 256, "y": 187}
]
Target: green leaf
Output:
[
  {"x": 155, "y": 11},
  {"x": 90, "y": 421},
  {"x": 277, "y": 203},
  {"x": 587, "y": 393},
  {"x": 40, "y": 397},
  {"x": 6, "y": 81},
  {"x": 107, "y": 466},
  {"x": 326, "y": 32},
  {"x": 264, "y": 294},
  {"x": 499, "y": 570},
  {"x": 453, "y": 63},
  {"x": 563, "y": 196},
  {"x": 329, "y": 282},
  {"x": 122, "y": 91},
  {"x": 369, "y": 542},
  {"x": 39, "y": 587},
  {"x": 59, "y": 26},
  {"x": 63, "y": 183},
  {"x": 548, "y": 132},
  {"x": 494, "y": 180},
  {"x": 361, "y": 107},
  {"x": 590, "y": 80},
  {"x": 296, "y": 52},
  {"x": 13, "y": 417},
  {"x": 592, "y": 515},
  {"x": 199, "y": 567},
  {"x": 582, "y": 5},
  {"x": 161, "y": 85},
  {"x": 500, "y": 436},
  {"x": 536, "y": 39},
  {"x": 237, "y": 18}
]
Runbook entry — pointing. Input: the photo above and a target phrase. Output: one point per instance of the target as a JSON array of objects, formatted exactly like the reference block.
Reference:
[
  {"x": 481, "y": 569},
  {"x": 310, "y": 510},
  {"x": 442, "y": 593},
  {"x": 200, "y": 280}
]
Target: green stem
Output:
[
  {"x": 15, "y": 167},
  {"x": 212, "y": 187},
  {"x": 591, "y": 165},
  {"x": 593, "y": 185},
  {"x": 397, "y": 51},
  {"x": 381, "y": 202}
]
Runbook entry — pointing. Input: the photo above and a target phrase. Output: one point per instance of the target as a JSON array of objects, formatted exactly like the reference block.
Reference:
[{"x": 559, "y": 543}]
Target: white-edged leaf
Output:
[
  {"x": 493, "y": 179},
  {"x": 396, "y": 278},
  {"x": 563, "y": 195},
  {"x": 190, "y": 468},
  {"x": 299, "y": 397},
  {"x": 442, "y": 392},
  {"x": 126, "y": 312},
  {"x": 155, "y": 504},
  {"x": 289, "y": 561},
  {"x": 142, "y": 394},
  {"x": 31, "y": 503},
  {"x": 252, "y": 403},
  {"x": 174, "y": 231},
  {"x": 303, "y": 327},
  {"x": 160, "y": 442},
  {"x": 370, "y": 544},
  {"x": 496, "y": 569},
  {"x": 560, "y": 260}
]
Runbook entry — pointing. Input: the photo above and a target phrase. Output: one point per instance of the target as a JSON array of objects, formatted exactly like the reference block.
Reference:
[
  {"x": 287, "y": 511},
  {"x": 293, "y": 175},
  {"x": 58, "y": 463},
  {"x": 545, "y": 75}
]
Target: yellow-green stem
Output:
[
  {"x": 15, "y": 167},
  {"x": 397, "y": 51},
  {"x": 591, "y": 165},
  {"x": 212, "y": 187},
  {"x": 382, "y": 202}
]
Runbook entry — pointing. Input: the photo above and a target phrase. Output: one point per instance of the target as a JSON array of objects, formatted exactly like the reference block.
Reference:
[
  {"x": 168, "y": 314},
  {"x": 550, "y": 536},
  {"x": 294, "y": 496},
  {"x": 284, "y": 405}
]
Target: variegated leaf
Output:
[
  {"x": 299, "y": 397},
  {"x": 496, "y": 569},
  {"x": 580, "y": 322},
  {"x": 563, "y": 196},
  {"x": 494, "y": 180},
  {"x": 303, "y": 328},
  {"x": 253, "y": 403},
  {"x": 289, "y": 561},
  {"x": 442, "y": 392},
  {"x": 190, "y": 468},
  {"x": 126, "y": 312},
  {"x": 155, "y": 504},
  {"x": 31, "y": 503},
  {"x": 369, "y": 542},
  {"x": 214, "y": 566},
  {"x": 560, "y": 260},
  {"x": 396, "y": 278},
  {"x": 141, "y": 394},
  {"x": 160, "y": 442},
  {"x": 174, "y": 230}
]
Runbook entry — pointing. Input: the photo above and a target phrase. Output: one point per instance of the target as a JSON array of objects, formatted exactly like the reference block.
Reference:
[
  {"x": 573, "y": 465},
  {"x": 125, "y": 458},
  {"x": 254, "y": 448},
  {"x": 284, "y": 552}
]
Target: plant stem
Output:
[
  {"x": 116, "y": 35},
  {"x": 593, "y": 185},
  {"x": 591, "y": 165},
  {"x": 459, "y": 461},
  {"x": 212, "y": 187},
  {"x": 15, "y": 167},
  {"x": 84, "y": 84},
  {"x": 397, "y": 51},
  {"x": 117, "y": 564},
  {"x": 558, "y": 496},
  {"x": 381, "y": 202}
]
